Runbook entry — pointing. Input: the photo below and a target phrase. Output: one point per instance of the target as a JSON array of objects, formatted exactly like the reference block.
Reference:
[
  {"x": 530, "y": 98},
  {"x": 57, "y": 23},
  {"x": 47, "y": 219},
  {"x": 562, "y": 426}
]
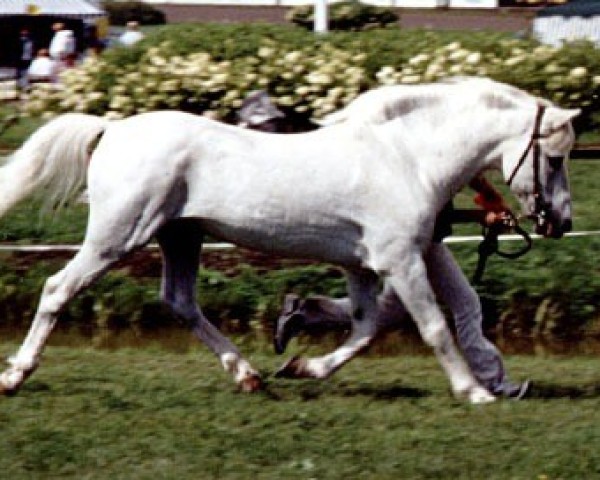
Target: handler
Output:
[{"x": 450, "y": 286}]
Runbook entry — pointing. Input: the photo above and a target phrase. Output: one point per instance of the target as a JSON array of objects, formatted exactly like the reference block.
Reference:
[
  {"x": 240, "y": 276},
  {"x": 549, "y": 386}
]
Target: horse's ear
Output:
[{"x": 555, "y": 118}]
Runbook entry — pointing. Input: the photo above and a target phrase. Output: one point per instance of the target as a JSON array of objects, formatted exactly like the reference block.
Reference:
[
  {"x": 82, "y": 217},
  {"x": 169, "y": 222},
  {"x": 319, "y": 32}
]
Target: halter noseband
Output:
[{"x": 541, "y": 211}]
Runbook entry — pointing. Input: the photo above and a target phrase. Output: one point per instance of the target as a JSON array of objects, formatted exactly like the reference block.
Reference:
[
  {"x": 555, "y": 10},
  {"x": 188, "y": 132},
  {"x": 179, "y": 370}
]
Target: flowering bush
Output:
[
  {"x": 307, "y": 76},
  {"x": 567, "y": 75},
  {"x": 313, "y": 81},
  {"x": 309, "y": 81}
]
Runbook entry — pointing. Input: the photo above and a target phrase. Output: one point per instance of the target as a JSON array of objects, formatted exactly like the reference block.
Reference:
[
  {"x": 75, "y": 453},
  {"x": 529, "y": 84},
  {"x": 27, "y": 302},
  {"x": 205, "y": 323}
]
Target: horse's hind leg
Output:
[
  {"x": 82, "y": 270},
  {"x": 115, "y": 228},
  {"x": 180, "y": 242}
]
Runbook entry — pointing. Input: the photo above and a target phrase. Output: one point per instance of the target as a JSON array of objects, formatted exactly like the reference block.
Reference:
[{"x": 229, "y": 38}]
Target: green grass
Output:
[
  {"x": 148, "y": 414},
  {"x": 14, "y": 134}
]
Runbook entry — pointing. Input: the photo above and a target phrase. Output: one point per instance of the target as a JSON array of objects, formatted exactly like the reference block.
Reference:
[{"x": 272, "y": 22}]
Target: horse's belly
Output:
[{"x": 339, "y": 245}]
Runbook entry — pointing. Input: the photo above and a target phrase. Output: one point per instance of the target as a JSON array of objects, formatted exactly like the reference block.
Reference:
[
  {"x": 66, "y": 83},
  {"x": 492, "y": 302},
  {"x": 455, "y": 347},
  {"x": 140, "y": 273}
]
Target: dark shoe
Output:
[
  {"x": 517, "y": 391},
  {"x": 289, "y": 324}
]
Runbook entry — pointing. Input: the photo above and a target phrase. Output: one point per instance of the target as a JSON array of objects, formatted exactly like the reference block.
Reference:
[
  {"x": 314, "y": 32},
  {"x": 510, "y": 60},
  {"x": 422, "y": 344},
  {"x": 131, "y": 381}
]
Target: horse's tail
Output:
[{"x": 53, "y": 160}]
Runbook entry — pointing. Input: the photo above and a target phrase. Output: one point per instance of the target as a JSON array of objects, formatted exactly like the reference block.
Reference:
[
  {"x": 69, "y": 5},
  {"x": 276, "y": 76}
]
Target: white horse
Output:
[{"x": 362, "y": 194}]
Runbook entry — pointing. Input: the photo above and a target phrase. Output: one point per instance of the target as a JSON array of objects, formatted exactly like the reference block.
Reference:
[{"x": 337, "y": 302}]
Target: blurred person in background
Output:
[
  {"x": 25, "y": 57},
  {"x": 131, "y": 35},
  {"x": 62, "y": 47},
  {"x": 42, "y": 68}
]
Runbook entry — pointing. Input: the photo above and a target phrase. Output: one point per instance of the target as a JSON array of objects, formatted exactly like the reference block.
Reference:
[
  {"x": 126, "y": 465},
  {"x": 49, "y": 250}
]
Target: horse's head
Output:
[{"x": 537, "y": 172}]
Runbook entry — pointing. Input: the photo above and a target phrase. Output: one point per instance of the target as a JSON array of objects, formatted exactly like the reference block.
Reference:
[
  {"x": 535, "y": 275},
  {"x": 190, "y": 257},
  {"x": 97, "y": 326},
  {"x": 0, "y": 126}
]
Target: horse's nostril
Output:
[{"x": 567, "y": 226}]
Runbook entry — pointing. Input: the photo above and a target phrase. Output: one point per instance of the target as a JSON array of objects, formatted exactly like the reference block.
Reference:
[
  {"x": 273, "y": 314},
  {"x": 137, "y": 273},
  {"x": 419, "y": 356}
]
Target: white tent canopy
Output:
[{"x": 61, "y": 8}]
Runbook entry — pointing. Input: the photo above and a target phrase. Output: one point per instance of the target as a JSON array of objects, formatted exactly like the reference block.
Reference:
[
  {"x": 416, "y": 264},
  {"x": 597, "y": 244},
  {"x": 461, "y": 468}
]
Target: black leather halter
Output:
[
  {"x": 489, "y": 244},
  {"x": 541, "y": 209}
]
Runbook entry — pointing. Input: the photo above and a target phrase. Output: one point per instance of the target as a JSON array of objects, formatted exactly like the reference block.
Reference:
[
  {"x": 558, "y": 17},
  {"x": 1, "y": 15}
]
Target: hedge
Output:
[{"x": 202, "y": 68}]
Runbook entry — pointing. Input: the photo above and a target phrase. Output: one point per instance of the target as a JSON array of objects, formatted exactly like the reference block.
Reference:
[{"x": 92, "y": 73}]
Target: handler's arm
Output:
[{"x": 494, "y": 209}]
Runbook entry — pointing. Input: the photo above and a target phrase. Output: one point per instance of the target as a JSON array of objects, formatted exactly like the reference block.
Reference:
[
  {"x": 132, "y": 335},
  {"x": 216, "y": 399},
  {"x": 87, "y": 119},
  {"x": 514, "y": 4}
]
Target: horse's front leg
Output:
[
  {"x": 362, "y": 290},
  {"x": 408, "y": 276}
]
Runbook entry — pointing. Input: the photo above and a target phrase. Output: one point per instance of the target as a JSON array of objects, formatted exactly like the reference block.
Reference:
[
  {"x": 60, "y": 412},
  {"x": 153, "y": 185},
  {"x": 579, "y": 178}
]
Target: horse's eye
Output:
[{"x": 556, "y": 162}]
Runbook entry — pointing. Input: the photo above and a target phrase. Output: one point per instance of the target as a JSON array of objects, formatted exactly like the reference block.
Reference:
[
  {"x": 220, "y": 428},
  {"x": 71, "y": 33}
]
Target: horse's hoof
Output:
[
  {"x": 12, "y": 379},
  {"x": 295, "y": 367},
  {"x": 479, "y": 395},
  {"x": 8, "y": 392},
  {"x": 252, "y": 383}
]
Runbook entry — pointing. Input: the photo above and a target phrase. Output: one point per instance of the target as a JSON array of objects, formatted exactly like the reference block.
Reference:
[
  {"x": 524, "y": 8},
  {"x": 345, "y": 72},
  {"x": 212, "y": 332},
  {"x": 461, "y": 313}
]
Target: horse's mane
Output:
[{"x": 385, "y": 103}]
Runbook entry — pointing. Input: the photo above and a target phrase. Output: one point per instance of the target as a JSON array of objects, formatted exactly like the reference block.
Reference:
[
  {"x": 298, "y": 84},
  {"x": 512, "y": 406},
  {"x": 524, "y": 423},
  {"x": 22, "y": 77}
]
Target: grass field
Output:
[{"x": 155, "y": 414}]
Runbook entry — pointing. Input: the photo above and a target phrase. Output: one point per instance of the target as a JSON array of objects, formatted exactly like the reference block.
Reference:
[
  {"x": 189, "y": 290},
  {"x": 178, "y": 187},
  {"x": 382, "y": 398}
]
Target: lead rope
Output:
[{"x": 490, "y": 245}]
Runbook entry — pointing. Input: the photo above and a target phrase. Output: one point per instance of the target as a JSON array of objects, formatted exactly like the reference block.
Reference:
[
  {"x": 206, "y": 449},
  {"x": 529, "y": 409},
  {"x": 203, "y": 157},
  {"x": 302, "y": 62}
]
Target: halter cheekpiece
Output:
[{"x": 541, "y": 209}]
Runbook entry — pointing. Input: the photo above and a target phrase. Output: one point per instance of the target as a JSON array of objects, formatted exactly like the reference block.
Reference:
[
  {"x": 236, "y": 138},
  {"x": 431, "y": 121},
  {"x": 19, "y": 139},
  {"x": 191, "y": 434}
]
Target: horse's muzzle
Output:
[{"x": 551, "y": 228}]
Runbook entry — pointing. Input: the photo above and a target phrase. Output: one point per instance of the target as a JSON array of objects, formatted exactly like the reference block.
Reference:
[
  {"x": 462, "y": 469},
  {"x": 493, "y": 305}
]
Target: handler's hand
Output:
[{"x": 504, "y": 219}]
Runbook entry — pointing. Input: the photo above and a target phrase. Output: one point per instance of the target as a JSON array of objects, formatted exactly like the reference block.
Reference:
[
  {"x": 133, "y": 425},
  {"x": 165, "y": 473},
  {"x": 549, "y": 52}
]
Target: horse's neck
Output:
[{"x": 453, "y": 150}]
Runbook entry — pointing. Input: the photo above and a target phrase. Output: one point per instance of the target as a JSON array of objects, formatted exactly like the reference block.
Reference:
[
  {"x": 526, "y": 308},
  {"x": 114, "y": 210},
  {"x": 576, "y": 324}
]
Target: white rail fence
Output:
[{"x": 229, "y": 246}]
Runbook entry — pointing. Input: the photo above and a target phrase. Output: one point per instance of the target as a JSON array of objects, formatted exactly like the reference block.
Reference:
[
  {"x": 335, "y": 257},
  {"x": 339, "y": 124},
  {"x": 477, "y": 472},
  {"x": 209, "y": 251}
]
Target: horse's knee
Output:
[{"x": 435, "y": 334}]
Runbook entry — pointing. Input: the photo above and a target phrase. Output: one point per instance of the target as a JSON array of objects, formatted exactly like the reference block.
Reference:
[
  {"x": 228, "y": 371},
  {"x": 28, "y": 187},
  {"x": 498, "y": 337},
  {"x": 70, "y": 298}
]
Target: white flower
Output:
[
  {"x": 318, "y": 78},
  {"x": 456, "y": 69},
  {"x": 386, "y": 70},
  {"x": 473, "y": 58},
  {"x": 285, "y": 101},
  {"x": 578, "y": 72},
  {"x": 335, "y": 92},
  {"x": 265, "y": 52},
  {"x": 509, "y": 62},
  {"x": 220, "y": 78},
  {"x": 421, "y": 58},
  {"x": 433, "y": 69},
  {"x": 543, "y": 50},
  {"x": 211, "y": 114},
  {"x": 158, "y": 61},
  {"x": 552, "y": 68},
  {"x": 293, "y": 57},
  {"x": 410, "y": 79},
  {"x": 459, "y": 54},
  {"x": 452, "y": 46},
  {"x": 112, "y": 115},
  {"x": 302, "y": 90}
]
